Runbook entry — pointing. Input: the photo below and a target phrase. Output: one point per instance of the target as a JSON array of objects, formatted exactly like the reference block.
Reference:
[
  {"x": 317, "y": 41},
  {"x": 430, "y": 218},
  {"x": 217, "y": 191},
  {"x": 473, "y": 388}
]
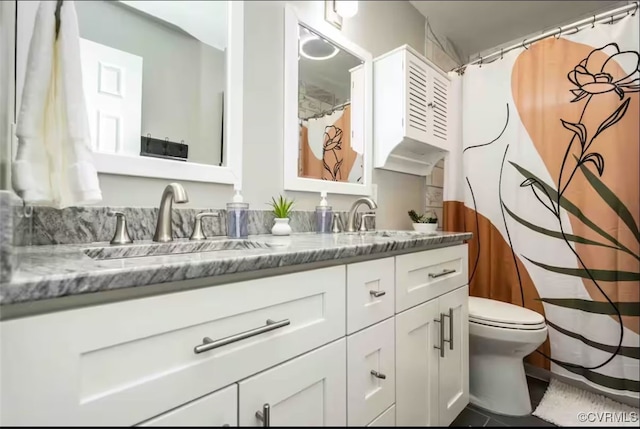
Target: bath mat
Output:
[{"x": 566, "y": 405}]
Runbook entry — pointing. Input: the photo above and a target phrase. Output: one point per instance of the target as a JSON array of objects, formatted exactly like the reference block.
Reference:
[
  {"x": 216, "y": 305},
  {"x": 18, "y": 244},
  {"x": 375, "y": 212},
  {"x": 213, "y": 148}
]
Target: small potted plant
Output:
[
  {"x": 281, "y": 209},
  {"x": 427, "y": 222}
]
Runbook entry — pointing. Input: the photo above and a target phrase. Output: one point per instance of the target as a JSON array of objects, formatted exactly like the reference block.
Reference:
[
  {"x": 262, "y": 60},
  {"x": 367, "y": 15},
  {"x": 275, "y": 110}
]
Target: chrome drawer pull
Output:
[
  {"x": 441, "y": 322},
  {"x": 377, "y": 293},
  {"x": 450, "y": 340},
  {"x": 379, "y": 375},
  {"x": 440, "y": 274},
  {"x": 209, "y": 344},
  {"x": 265, "y": 415}
]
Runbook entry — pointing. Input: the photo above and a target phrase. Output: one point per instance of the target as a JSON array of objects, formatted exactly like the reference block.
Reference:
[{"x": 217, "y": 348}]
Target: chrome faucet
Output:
[
  {"x": 351, "y": 219},
  {"x": 173, "y": 192}
]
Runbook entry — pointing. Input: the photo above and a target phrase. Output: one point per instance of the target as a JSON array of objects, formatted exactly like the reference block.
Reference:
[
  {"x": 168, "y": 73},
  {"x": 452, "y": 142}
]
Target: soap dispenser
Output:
[
  {"x": 237, "y": 216},
  {"x": 323, "y": 215}
]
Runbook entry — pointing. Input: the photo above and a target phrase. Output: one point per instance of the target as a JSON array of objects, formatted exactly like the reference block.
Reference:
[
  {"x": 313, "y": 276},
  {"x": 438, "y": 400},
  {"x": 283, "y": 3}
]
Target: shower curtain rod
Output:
[{"x": 610, "y": 16}]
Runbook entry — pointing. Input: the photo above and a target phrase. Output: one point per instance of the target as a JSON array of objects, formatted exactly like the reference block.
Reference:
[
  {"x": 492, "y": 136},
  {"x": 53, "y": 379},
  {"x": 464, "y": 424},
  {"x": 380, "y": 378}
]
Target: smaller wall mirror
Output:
[{"x": 327, "y": 109}]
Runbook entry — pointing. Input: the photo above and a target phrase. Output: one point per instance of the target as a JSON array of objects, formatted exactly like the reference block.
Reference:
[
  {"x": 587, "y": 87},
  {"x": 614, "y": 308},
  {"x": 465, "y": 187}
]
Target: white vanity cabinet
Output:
[
  {"x": 307, "y": 391},
  {"x": 345, "y": 345},
  {"x": 432, "y": 338}
]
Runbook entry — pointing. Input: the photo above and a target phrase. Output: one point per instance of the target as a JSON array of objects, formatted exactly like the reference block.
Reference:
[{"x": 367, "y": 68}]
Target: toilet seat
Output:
[{"x": 500, "y": 314}]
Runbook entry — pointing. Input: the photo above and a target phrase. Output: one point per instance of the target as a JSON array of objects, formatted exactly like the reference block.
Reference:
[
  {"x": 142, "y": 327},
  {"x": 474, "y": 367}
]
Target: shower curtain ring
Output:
[
  {"x": 611, "y": 21},
  {"x": 523, "y": 45},
  {"x": 636, "y": 9},
  {"x": 481, "y": 59},
  {"x": 559, "y": 33},
  {"x": 593, "y": 24},
  {"x": 501, "y": 53}
]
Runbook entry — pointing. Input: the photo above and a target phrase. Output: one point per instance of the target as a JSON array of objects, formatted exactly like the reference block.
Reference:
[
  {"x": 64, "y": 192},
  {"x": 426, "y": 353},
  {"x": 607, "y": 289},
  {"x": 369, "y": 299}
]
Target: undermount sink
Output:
[
  {"x": 388, "y": 234},
  {"x": 171, "y": 248}
]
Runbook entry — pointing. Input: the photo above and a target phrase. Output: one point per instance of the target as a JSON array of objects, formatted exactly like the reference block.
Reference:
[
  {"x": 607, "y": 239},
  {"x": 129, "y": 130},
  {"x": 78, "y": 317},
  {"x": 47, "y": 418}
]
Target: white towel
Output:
[{"x": 54, "y": 164}]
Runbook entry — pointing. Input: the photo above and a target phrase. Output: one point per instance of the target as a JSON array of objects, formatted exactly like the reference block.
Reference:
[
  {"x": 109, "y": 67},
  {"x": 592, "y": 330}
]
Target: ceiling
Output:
[{"x": 475, "y": 26}]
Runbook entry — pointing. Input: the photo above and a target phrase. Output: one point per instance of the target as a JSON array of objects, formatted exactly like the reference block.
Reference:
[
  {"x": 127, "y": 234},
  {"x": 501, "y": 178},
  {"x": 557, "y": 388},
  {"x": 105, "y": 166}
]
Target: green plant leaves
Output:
[
  {"x": 614, "y": 118},
  {"x": 596, "y": 307},
  {"x": 598, "y": 275},
  {"x": 612, "y": 201},
  {"x": 281, "y": 207},
  {"x": 596, "y": 159},
  {"x": 579, "y": 130},
  {"x": 573, "y": 209},
  {"x": 554, "y": 234}
]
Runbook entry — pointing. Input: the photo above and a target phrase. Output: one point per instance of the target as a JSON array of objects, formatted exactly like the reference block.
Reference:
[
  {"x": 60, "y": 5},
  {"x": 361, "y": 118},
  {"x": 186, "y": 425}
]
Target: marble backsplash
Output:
[
  {"x": 7, "y": 257},
  {"x": 91, "y": 224}
]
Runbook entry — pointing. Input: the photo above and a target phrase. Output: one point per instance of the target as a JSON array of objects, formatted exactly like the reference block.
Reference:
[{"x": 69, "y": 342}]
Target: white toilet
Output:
[{"x": 500, "y": 336}]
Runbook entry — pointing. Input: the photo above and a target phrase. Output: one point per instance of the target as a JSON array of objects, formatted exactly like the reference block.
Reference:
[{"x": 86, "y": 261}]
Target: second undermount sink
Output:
[{"x": 171, "y": 248}]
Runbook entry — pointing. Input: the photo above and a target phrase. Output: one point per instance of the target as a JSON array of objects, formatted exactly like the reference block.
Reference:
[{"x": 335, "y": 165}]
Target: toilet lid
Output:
[{"x": 501, "y": 314}]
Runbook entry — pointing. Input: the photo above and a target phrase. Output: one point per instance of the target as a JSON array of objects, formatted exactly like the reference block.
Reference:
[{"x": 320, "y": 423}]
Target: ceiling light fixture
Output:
[{"x": 336, "y": 10}]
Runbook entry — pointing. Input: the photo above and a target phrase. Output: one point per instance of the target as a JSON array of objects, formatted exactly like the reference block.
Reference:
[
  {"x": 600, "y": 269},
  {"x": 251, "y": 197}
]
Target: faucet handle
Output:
[
  {"x": 197, "y": 233},
  {"x": 121, "y": 236},
  {"x": 363, "y": 218},
  {"x": 337, "y": 226}
]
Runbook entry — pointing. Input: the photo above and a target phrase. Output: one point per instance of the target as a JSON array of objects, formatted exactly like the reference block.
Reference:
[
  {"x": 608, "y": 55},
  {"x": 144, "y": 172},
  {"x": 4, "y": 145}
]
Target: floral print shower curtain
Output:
[{"x": 544, "y": 170}]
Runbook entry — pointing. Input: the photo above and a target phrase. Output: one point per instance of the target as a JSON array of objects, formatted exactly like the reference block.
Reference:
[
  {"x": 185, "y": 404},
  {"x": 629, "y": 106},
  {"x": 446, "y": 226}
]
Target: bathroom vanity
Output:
[{"x": 334, "y": 329}]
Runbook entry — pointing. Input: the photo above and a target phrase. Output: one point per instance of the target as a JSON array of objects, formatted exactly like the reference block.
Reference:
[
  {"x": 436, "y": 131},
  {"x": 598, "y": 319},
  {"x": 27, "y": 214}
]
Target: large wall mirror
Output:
[
  {"x": 327, "y": 109},
  {"x": 162, "y": 83}
]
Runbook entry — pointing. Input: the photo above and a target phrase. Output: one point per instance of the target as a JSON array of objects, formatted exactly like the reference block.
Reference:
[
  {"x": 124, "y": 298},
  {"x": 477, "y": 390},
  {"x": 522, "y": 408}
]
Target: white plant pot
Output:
[
  {"x": 281, "y": 226},
  {"x": 425, "y": 227}
]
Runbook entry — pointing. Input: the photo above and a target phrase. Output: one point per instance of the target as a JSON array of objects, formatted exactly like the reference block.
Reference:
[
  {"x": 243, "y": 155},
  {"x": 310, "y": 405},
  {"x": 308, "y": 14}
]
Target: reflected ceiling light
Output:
[
  {"x": 316, "y": 48},
  {"x": 345, "y": 8}
]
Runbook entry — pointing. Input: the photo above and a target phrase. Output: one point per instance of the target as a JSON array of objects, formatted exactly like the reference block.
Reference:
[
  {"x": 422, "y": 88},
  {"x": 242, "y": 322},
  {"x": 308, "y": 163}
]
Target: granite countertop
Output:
[{"x": 46, "y": 272}]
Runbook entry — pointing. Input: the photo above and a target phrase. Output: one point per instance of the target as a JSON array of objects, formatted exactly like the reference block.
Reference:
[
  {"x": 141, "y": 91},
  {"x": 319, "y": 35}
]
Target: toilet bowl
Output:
[{"x": 500, "y": 336}]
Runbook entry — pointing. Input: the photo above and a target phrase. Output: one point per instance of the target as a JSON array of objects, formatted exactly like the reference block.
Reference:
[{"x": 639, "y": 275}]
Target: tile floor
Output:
[{"x": 477, "y": 417}]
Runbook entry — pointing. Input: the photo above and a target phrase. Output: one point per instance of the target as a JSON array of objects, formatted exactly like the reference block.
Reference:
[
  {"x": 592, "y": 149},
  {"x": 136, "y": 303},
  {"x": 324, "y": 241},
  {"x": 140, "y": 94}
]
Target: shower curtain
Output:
[{"x": 543, "y": 170}]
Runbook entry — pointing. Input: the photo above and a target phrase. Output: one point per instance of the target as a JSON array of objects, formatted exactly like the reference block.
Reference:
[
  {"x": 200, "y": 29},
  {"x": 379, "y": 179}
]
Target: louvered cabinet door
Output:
[
  {"x": 416, "y": 118},
  {"x": 438, "y": 109}
]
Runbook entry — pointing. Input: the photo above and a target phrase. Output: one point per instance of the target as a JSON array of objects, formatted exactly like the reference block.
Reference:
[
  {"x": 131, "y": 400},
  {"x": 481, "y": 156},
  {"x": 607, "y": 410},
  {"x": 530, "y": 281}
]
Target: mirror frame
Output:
[
  {"x": 317, "y": 24},
  {"x": 231, "y": 172}
]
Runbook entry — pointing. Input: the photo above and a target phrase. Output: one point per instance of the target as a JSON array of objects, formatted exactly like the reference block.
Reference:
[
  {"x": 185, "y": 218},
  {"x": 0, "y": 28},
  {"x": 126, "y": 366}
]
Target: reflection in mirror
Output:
[
  {"x": 330, "y": 114},
  {"x": 154, "y": 77}
]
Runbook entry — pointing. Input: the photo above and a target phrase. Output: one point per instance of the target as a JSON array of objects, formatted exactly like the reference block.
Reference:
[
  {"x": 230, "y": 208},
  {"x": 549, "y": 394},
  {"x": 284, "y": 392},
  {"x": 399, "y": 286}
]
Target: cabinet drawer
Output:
[
  {"x": 370, "y": 293},
  {"x": 309, "y": 390},
  {"x": 217, "y": 409},
  {"x": 386, "y": 419},
  {"x": 133, "y": 360},
  {"x": 370, "y": 351},
  {"x": 425, "y": 275}
]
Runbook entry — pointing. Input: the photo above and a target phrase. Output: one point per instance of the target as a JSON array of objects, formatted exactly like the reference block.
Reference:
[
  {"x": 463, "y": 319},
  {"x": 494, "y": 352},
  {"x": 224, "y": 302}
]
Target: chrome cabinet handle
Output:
[
  {"x": 441, "y": 322},
  {"x": 450, "y": 340},
  {"x": 121, "y": 236},
  {"x": 379, "y": 375},
  {"x": 209, "y": 344},
  {"x": 377, "y": 293},
  {"x": 265, "y": 415},
  {"x": 440, "y": 274},
  {"x": 197, "y": 233}
]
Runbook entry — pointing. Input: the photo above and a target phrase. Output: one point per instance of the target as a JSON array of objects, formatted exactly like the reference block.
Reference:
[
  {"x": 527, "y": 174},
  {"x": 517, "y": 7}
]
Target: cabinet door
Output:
[
  {"x": 417, "y": 365},
  {"x": 416, "y": 100},
  {"x": 370, "y": 372},
  {"x": 307, "y": 391},
  {"x": 454, "y": 368},
  {"x": 216, "y": 409},
  {"x": 438, "y": 109}
]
